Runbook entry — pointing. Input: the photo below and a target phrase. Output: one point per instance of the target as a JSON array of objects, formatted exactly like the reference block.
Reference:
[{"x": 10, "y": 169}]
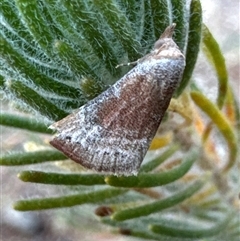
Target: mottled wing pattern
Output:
[{"x": 112, "y": 133}]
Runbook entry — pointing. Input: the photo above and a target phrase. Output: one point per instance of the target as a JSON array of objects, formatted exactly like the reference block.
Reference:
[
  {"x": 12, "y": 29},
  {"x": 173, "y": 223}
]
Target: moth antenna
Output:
[{"x": 124, "y": 64}]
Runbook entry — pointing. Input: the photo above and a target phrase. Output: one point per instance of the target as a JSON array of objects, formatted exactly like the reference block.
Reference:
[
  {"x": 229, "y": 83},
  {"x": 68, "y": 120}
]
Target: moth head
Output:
[{"x": 166, "y": 38}]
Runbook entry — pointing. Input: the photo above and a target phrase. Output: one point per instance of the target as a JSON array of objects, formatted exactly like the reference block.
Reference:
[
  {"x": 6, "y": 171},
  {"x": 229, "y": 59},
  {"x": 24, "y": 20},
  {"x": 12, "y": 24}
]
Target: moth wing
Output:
[
  {"x": 112, "y": 132},
  {"x": 93, "y": 136}
]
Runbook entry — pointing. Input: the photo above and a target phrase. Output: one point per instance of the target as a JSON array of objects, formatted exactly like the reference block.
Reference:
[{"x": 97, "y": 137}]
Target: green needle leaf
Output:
[
  {"x": 151, "y": 165},
  {"x": 24, "y": 123},
  {"x": 120, "y": 26},
  {"x": 9, "y": 12},
  {"x": 160, "y": 16},
  {"x": 36, "y": 24},
  {"x": 179, "y": 17},
  {"x": 194, "y": 38},
  {"x": 157, "y": 206},
  {"x": 74, "y": 62},
  {"x": 36, "y": 101},
  {"x": 195, "y": 233},
  {"x": 86, "y": 23},
  {"x": 153, "y": 179},
  {"x": 18, "y": 63},
  {"x": 222, "y": 124},
  {"x": 61, "y": 179},
  {"x": 27, "y": 158},
  {"x": 214, "y": 54},
  {"x": 67, "y": 201}
]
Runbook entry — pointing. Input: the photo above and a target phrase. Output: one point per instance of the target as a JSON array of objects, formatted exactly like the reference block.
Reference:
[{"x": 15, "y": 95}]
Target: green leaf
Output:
[
  {"x": 2, "y": 81},
  {"x": 214, "y": 54},
  {"x": 27, "y": 158},
  {"x": 36, "y": 23},
  {"x": 76, "y": 63},
  {"x": 157, "y": 206},
  {"x": 25, "y": 123},
  {"x": 34, "y": 77},
  {"x": 194, "y": 38},
  {"x": 15, "y": 28},
  {"x": 160, "y": 16},
  {"x": 61, "y": 179},
  {"x": 195, "y": 233},
  {"x": 36, "y": 101},
  {"x": 222, "y": 124},
  {"x": 151, "y": 165},
  {"x": 86, "y": 23},
  {"x": 120, "y": 26},
  {"x": 154, "y": 179},
  {"x": 67, "y": 201},
  {"x": 147, "y": 35},
  {"x": 179, "y": 17}
]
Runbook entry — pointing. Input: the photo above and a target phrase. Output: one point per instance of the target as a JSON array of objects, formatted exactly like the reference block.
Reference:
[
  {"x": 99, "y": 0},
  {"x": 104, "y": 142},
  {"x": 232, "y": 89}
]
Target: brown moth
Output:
[{"x": 112, "y": 132}]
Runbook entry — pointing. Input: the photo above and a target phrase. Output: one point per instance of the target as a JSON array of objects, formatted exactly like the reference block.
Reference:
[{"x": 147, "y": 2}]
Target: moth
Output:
[{"x": 112, "y": 132}]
